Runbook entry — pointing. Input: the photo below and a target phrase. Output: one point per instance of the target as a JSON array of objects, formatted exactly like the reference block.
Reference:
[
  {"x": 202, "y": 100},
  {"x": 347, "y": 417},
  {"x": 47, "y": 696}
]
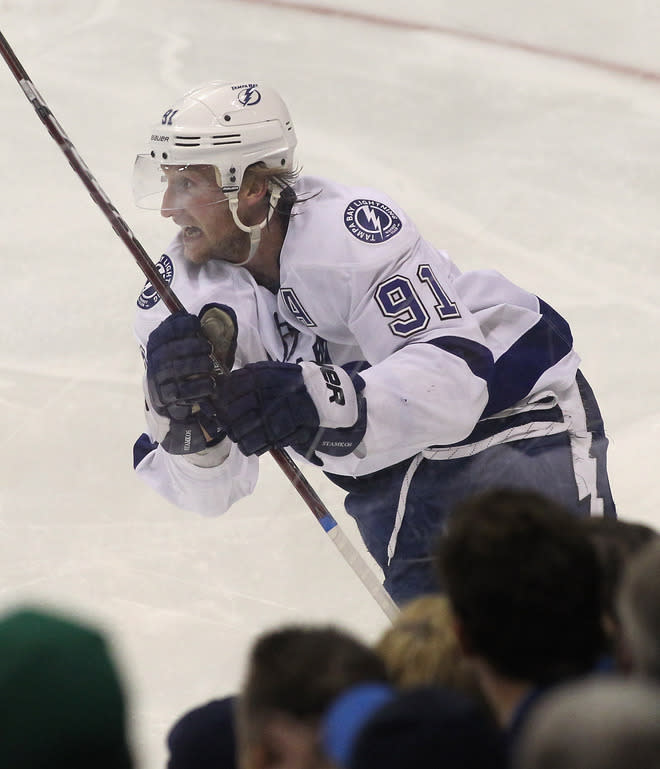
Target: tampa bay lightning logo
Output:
[
  {"x": 371, "y": 221},
  {"x": 249, "y": 96},
  {"x": 149, "y": 296}
]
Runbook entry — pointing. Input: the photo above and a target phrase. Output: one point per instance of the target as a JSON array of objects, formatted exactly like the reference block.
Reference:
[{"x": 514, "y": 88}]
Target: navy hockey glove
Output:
[
  {"x": 182, "y": 364},
  {"x": 309, "y": 407},
  {"x": 186, "y": 437}
]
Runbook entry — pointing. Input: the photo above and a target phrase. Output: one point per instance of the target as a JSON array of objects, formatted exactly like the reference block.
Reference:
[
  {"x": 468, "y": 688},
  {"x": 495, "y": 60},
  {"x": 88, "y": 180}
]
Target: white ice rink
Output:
[{"x": 509, "y": 152}]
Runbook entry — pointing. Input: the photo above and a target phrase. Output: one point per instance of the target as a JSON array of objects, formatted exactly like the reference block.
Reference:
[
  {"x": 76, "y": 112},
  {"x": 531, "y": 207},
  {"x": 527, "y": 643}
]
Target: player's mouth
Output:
[{"x": 191, "y": 233}]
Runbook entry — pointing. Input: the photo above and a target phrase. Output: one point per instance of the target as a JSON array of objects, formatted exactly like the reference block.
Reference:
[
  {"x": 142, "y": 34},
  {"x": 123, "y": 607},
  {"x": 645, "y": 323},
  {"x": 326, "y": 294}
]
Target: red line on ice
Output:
[{"x": 501, "y": 42}]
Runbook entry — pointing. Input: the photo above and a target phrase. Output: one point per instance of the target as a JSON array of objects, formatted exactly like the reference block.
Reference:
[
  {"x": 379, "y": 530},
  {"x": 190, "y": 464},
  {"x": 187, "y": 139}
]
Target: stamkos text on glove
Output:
[{"x": 337, "y": 444}]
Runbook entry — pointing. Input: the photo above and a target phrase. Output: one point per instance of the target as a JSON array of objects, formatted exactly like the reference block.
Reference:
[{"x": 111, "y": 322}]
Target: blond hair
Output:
[{"x": 421, "y": 649}]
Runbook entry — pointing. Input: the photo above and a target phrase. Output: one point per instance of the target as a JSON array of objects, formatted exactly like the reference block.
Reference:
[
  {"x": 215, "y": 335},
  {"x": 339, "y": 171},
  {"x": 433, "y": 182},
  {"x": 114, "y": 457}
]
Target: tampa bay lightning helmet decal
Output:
[
  {"x": 249, "y": 96},
  {"x": 371, "y": 221},
  {"x": 149, "y": 296}
]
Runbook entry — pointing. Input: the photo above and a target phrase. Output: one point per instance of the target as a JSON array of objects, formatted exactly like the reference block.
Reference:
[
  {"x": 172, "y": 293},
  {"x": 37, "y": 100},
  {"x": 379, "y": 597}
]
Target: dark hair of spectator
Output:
[
  {"x": 615, "y": 541},
  {"x": 299, "y": 671},
  {"x": 524, "y": 581}
]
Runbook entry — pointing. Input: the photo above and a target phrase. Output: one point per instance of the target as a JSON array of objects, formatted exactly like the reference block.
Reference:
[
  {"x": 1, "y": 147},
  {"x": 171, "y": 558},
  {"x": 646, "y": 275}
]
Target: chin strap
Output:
[{"x": 255, "y": 231}]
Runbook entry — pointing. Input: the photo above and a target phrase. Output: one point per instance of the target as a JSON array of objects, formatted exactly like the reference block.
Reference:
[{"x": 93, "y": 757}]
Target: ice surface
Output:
[{"x": 537, "y": 166}]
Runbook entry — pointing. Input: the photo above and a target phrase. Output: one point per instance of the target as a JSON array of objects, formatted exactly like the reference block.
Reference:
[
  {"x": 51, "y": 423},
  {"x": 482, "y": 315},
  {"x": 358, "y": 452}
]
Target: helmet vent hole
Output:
[
  {"x": 226, "y": 139},
  {"x": 187, "y": 141}
]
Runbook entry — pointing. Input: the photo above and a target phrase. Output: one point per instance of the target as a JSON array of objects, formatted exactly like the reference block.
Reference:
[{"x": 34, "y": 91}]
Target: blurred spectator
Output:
[
  {"x": 204, "y": 737},
  {"x": 420, "y": 648},
  {"x": 638, "y": 607},
  {"x": 418, "y": 728},
  {"x": 523, "y": 582},
  {"x": 293, "y": 675},
  {"x": 605, "y": 722},
  {"x": 616, "y": 541},
  {"x": 62, "y": 705}
]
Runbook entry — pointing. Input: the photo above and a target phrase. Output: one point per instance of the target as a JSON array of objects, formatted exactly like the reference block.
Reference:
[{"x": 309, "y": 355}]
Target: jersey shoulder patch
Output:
[{"x": 371, "y": 221}]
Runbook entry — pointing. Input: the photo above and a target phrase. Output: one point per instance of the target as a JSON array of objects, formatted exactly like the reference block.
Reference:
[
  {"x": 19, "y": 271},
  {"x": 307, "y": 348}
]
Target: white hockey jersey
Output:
[{"x": 450, "y": 355}]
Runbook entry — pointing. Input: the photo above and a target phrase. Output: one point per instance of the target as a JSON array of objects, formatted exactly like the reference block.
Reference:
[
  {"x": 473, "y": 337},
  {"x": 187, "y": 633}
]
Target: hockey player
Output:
[{"x": 412, "y": 385}]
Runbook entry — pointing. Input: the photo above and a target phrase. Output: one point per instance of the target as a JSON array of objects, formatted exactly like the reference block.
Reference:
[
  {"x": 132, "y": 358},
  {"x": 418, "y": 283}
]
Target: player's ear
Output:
[
  {"x": 253, "y": 199},
  {"x": 254, "y": 187}
]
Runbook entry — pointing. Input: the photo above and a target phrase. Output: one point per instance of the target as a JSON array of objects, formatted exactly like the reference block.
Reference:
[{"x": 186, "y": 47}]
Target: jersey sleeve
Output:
[{"x": 208, "y": 490}]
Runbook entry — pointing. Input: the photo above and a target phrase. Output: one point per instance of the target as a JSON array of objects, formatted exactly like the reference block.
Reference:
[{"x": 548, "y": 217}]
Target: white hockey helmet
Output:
[{"x": 222, "y": 124}]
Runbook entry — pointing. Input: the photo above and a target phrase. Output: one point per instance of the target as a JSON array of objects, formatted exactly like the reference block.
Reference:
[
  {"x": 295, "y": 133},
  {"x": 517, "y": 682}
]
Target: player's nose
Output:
[{"x": 169, "y": 204}]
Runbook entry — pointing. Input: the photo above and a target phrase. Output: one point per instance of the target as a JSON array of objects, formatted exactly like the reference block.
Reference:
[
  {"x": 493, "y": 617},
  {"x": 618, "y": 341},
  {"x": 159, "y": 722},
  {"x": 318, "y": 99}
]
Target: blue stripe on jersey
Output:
[
  {"x": 141, "y": 448},
  {"x": 540, "y": 348},
  {"x": 478, "y": 357},
  {"x": 486, "y": 428}
]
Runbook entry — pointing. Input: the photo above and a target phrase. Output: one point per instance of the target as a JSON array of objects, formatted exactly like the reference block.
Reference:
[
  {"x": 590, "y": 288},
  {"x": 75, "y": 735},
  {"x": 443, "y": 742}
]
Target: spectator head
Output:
[
  {"x": 604, "y": 722},
  {"x": 61, "y": 701},
  {"x": 523, "y": 582},
  {"x": 416, "y": 728},
  {"x": 616, "y": 541},
  {"x": 293, "y": 675},
  {"x": 204, "y": 737},
  {"x": 639, "y": 613},
  {"x": 420, "y": 648}
]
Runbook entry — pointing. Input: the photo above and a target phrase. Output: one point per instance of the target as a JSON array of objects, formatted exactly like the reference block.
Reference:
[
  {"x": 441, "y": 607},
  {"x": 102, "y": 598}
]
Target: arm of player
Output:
[
  {"x": 326, "y": 415},
  {"x": 419, "y": 396},
  {"x": 210, "y": 479}
]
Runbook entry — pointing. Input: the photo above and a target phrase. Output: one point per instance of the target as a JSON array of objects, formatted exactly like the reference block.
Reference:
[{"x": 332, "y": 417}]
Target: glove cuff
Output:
[
  {"x": 333, "y": 394},
  {"x": 342, "y": 410},
  {"x": 214, "y": 455}
]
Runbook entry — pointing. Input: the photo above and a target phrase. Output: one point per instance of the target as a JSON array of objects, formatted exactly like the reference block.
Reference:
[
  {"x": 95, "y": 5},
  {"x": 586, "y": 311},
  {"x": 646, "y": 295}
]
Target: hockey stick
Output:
[{"x": 290, "y": 469}]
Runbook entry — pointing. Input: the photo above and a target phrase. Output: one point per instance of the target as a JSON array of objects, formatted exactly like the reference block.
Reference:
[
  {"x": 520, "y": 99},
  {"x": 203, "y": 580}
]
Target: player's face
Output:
[{"x": 194, "y": 201}]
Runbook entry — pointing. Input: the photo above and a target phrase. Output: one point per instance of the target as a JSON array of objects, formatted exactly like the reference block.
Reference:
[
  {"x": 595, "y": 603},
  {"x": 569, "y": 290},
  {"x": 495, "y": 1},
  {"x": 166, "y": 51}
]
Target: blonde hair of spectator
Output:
[{"x": 421, "y": 648}]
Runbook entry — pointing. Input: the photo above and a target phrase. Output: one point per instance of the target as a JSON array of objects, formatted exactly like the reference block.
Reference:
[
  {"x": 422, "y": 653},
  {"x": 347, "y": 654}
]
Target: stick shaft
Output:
[
  {"x": 93, "y": 187},
  {"x": 173, "y": 304}
]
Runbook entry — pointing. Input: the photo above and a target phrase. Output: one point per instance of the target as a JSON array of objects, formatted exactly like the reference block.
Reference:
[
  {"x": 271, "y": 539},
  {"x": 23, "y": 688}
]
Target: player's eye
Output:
[{"x": 183, "y": 184}]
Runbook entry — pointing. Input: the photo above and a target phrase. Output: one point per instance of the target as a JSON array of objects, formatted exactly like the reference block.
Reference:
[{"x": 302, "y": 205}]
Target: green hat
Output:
[{"x": 61, "y": 701}]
